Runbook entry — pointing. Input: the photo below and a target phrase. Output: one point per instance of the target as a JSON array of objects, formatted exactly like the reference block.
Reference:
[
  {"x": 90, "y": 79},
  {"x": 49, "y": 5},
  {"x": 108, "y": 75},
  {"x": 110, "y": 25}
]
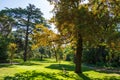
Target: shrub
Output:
[{"x": 3, "y": 50}]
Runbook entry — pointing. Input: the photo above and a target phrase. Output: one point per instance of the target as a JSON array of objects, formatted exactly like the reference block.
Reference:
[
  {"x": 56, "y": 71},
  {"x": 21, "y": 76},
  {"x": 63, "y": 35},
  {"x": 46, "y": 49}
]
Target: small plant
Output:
[{"x": 12, "y": 47}]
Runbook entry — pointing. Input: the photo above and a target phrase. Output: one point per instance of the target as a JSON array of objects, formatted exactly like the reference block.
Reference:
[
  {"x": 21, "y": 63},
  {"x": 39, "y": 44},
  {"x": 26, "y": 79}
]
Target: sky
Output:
[{"x": 44, "y": 5}]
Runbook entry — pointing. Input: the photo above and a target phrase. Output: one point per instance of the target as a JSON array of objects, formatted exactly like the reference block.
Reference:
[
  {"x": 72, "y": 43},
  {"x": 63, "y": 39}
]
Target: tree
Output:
[
  {"x": 3, "y": 49},
  {"x": 83, "y": 22},
  {"x": 67, "y": 14},
  {"x": 26, "y": 19},
  {"x": 42, "y": 51},
  {"x": 44, "y": 37},
  {"x": 6, "y": 24}
]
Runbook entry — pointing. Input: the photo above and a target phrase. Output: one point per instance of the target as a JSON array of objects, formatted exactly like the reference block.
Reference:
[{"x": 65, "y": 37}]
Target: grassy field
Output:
[{"x": 50, "y": 70}]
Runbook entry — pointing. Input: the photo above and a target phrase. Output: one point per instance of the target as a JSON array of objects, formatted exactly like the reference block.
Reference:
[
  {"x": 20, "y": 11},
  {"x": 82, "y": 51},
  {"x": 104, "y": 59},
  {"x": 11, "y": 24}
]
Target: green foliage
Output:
[
  {"x": 3, "y": 49},
  {"x": 92, "y": 22},
  {"x": 6, "y": 24},
  {"x": 102, "y": 56},
  {"x": 114, "y": 58},
  {"x": 68, "y": 53},
  {"x": 25, "y": 21}
]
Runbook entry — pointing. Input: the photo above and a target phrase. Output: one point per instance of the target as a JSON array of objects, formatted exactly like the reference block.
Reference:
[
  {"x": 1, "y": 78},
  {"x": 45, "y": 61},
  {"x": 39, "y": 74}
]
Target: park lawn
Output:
[{"x": 51, "y": 70}]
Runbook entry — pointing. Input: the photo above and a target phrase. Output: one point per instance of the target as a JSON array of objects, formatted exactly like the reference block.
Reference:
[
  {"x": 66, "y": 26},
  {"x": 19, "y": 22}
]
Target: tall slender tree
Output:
[{"x": 26, "y": 19}]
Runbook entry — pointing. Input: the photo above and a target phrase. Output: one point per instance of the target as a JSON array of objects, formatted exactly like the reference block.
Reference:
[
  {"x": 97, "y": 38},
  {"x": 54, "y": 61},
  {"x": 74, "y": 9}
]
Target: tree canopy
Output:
[
  {"x": 25, "y": 21},
  {"x": 91, "y": 22}
]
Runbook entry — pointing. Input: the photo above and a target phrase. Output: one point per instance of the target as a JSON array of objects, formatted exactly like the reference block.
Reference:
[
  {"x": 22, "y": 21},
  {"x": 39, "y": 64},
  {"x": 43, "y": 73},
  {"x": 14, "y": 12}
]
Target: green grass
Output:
[{"x": 50, "y": 70}]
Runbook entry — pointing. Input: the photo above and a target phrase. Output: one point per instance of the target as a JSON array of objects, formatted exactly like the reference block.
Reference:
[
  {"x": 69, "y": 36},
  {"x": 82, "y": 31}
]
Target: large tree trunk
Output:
[
  {"x": 78, "y": 55},
  {"x": 26, "y": 39}
]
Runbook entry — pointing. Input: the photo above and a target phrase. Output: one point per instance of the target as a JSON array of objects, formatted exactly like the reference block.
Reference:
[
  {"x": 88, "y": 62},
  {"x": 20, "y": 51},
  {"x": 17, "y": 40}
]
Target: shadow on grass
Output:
[
  {"x": 67, "y": 67},
  {"x": 85, "y": 68},
  {"x": 62, "y": 67},
  {"x": 5, "y": 65},
  {"x": 8, "y": 65},
  {"x": 28, "y": 64},
  {"x": 45, "y": 60},
  {"x": 84, "y": 77}
]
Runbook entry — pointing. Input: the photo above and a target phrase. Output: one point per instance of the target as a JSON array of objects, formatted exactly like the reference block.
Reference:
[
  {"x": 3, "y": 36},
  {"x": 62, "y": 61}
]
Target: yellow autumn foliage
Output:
[
  {"x": 12, "y": 47},
  {"x": 42, "y": 36}
]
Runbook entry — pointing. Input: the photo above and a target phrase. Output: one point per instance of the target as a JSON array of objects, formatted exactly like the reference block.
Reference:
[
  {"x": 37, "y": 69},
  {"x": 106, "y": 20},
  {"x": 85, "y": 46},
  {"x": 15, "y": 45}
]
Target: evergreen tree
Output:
[{"x": 26, "y": 19}]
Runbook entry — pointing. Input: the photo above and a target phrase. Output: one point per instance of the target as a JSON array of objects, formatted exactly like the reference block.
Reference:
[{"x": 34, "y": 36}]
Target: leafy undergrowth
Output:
[
  {"x": 50, "y": 70},
  {"x": 34, "y": 75}
]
